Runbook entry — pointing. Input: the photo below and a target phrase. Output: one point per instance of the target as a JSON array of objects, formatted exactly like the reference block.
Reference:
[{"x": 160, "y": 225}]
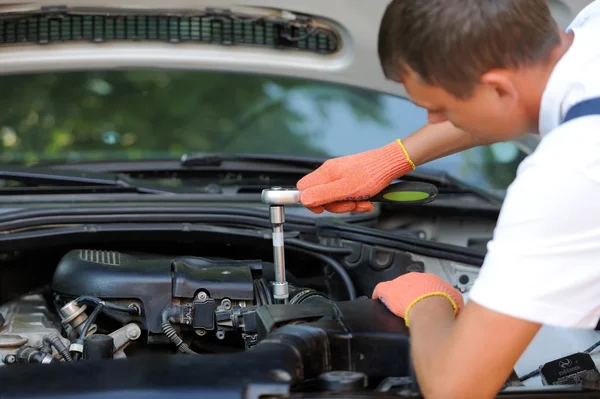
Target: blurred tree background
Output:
[
  {"x": 150, "y": 114},
  {"x": 104, "y": 115}
]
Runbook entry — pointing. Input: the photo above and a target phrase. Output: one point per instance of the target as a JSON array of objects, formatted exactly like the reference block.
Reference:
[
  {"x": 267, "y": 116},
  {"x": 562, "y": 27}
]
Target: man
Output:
[{"x": 489, "y": 71}]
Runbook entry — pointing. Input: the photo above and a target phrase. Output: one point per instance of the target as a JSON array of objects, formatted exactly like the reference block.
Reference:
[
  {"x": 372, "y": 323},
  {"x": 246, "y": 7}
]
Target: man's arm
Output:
[
  {"x": 434, "y": 141},
  {"x": 470, "y": 357},
  {"x": 541, "y": 268},
  {"x": 344, "y": 184}
]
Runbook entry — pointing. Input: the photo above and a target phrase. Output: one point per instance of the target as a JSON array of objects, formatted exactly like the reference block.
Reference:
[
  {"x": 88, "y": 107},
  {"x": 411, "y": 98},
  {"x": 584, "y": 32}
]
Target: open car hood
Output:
[
  {"x": 346, "y": 40},
  {"x": 353, "y": 62}
]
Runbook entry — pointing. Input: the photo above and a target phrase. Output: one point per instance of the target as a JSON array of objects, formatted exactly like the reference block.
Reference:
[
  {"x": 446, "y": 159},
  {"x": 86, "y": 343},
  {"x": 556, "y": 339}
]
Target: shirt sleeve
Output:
[
  {"x": 543, "y": 263},
  {"x": 590, "y": 13}
]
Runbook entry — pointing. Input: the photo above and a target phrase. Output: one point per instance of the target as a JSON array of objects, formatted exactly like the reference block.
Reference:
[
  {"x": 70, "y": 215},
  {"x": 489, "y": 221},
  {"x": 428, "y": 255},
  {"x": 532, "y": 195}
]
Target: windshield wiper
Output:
[
  {"x": 40, "y": 180},
  {"x": 274, "y": 169},
  {"x": 216, "y": 159},
  {"x": 448, "y": 184},
  {"x": 444, "y": 181}
]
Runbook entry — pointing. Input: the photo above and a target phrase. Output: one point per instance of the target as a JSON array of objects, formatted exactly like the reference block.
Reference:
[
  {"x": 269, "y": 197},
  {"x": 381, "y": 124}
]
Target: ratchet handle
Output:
[
  {"x": 406, "y": 193},
  {"x": 402, "y": 193}
]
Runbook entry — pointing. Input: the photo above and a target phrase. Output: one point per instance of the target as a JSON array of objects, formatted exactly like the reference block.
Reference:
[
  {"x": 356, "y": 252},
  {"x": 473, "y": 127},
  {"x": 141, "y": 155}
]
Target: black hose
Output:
[
  {"x": 259, "y": 294},
  {"x": 108, "y": 305},
  {"x": 44, "y": 347},
  {"x": 268, "y": 294},
  {"x": 318, "y": 248},
  {"x": 336, "y": 266},
  {"x": 257, "y": 297},
  {"x": 90, "y": 320},
  {"x": 591, "y": 348},
  {"x": 170, "y": 331},
  {"x": 529, "y": 375},
  {"x": 53, "y": 340}
]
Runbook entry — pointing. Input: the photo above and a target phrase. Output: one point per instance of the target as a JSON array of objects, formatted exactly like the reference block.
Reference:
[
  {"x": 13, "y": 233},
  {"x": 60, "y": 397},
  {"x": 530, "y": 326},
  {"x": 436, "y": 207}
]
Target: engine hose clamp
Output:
[{"x": 75, "y": 347}]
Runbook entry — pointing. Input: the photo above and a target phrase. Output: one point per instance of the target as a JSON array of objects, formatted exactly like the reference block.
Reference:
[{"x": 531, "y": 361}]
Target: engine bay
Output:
[
  {"x": 115, "y": 305},
  {"x": 134, "y": 315}
]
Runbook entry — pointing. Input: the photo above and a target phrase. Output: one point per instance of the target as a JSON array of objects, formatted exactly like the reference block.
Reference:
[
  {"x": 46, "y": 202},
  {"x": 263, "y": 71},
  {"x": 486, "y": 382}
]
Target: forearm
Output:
[
  {"x": 434, "y": 141},
  {"x": 464, "y": 358},
  {"x": 431, "y": 323}
]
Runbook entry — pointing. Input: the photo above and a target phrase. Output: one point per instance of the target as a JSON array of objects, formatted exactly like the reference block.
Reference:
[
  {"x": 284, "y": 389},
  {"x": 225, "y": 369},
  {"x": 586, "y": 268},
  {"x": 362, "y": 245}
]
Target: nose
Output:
[{"x": 436, "y": 117}]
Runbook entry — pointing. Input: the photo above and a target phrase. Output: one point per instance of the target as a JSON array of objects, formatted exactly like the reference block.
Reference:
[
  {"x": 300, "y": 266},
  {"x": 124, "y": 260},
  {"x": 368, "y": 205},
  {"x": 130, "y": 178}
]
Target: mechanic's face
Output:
[{"x": 494, "y": 111}]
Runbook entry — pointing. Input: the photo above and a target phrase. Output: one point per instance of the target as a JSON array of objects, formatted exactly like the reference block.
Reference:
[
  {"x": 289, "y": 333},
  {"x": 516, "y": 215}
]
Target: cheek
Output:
[
  {"x": 493, "y": 121},
  {"x": 478, "y": 118},
  {"x": 490, "y": 112}
]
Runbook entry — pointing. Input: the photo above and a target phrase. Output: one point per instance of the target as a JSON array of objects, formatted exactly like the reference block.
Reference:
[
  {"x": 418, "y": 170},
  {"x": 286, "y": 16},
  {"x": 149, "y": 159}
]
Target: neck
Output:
[{"x": 536, "y": 79}]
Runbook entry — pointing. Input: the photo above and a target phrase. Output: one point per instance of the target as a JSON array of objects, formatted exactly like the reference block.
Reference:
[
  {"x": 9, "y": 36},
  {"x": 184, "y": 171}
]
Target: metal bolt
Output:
[
  {"x": 226, "y": 303},
  {"x": 280, "y": 375},
  {"x": 202, "y": 296},
  {"x": 220, "y": 334},
  {"x": 10, "y": 359},
  {"x": 201, "y": 332},
  {"x": 133, "y": 333}
]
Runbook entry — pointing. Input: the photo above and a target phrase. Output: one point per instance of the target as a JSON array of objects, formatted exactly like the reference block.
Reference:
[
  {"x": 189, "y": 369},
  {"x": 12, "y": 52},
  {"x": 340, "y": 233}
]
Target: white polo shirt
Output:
[{"x": 543, "y": 263}]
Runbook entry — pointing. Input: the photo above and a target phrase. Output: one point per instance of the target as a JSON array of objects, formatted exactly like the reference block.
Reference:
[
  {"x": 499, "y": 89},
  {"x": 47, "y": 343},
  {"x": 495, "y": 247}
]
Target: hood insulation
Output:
[{"x": 212, "y": 26}]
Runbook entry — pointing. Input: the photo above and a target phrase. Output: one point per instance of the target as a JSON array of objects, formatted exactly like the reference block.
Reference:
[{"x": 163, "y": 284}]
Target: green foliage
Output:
[{"x": 108, "y": 115}]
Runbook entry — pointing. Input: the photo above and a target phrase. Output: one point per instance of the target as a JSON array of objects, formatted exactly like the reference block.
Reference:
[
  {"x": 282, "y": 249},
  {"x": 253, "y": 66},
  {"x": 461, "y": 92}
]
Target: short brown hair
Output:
[{"x": 451, "y": 43}]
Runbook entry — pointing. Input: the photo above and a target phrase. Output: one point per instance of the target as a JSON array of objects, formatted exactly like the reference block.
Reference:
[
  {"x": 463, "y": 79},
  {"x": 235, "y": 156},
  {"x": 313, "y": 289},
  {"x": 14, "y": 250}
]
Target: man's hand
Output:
[
  {"x": 470, "y": 356},
  {"x": 345, "y": 184},
  {"x": 404, "y": 292},
  {"x": 339, "y": 184}
]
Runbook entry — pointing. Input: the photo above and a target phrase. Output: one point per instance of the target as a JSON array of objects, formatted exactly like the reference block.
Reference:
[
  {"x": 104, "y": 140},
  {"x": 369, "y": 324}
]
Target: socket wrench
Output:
[{"x": 402, "y": 193}]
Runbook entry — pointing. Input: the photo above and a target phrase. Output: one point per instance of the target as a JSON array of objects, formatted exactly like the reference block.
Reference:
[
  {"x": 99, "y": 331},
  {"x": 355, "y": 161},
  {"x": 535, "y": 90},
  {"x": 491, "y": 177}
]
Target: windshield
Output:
[{"x": 158, "y": 114}]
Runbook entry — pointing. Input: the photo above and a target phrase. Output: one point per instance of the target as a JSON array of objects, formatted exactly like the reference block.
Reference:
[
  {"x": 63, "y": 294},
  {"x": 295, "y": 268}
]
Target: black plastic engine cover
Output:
[
  {"x": 363, "y": 334},
  {"x": 153, "y": 280}
]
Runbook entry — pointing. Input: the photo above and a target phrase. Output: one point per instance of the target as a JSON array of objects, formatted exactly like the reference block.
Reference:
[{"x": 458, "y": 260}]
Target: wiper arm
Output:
[
  {"x": 212, "y": 159},
  {"x": 448, "y": 184},
  {"x": 74, "y": 180}
]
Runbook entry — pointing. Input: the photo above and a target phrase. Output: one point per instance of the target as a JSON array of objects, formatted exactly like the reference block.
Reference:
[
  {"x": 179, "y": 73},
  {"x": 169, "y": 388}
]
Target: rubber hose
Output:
[
  {"x": 53, "y": 340},
  {"x": 174, "y": 338},
  {"x": 591, "y": 348},
  {"x": 44, "y": 347},
  {"x": 257, "y": 299},
  {"x": 172, "y": 334},
  {"x": 107, "y": 305},
  {"x": 337, "y": 267},
  {"x": 259, "y": 294},
  {"x": 90, "y": 320},
  {"x": 266, "y": 291}
]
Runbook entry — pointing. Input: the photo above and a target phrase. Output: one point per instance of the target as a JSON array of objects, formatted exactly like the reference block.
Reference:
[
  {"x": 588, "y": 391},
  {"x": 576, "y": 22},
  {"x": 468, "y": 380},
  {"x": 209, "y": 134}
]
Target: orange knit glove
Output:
[
  {"x": 402, "y": 293},
  {"x": 345, "y": 184}
]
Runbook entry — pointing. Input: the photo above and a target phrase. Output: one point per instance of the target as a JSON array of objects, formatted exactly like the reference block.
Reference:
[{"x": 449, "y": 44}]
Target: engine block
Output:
[
  {"x": 27, "y": 320},
  {"x": 152, "y": 282}
]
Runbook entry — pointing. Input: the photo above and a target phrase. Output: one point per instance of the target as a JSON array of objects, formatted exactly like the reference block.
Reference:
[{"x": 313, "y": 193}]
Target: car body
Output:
[{"x": 137, "y": 139}]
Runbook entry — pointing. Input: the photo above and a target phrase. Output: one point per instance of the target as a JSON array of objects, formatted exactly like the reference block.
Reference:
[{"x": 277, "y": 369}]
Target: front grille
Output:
[
  {"x": 112, "y": 258},
  {"x": 213, "y": 27}
]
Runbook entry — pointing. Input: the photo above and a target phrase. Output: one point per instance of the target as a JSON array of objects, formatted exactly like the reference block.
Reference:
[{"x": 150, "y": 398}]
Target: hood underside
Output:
[{"x": 347, "y": 37}]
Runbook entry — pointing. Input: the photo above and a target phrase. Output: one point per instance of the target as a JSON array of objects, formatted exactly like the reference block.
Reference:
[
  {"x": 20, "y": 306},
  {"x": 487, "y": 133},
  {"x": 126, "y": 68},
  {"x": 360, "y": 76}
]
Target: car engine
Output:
[{"x": 118, "y": 305}]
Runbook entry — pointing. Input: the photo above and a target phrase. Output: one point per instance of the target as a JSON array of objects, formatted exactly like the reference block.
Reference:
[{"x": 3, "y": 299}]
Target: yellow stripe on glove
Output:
[{"x": 402, "y": 293}]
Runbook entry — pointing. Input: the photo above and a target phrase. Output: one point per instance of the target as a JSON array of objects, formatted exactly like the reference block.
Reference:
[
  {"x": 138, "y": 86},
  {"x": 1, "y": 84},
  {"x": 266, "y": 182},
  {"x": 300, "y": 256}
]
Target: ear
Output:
[{"x": 502, "y": 85}]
